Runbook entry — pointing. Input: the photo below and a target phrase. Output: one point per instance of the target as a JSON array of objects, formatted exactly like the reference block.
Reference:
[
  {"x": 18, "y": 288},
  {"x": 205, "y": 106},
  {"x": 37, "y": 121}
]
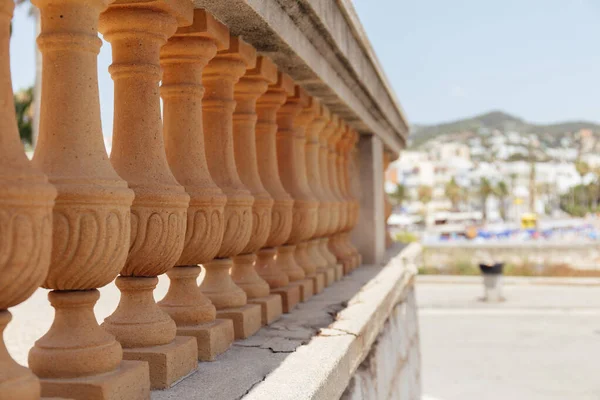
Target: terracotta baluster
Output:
[
  {"x": 91, "y": 218},
  {"x": 343, "y": 148},
  {"x": 183, "y": 59},
  {"x": 219, "y": 78},
  {"x": 334, "y": 243},
  {"x": 302, "y": 256},
  {"x": 291, "y": 160},
  {"x": 247, "y": 91},
  {"x": 26, "y": 201},
  {"x": 313, "y": 133},
  {"x": 269, "y": 267},
  {"x": 353, "y": 201},
  {"x": 334, "y": 211},
  {"x": 354, "y": 184},
  {"x": 137, "y": 31},
  {"x": 309, "y": 124},
  {"x": 386, "y": 201}
]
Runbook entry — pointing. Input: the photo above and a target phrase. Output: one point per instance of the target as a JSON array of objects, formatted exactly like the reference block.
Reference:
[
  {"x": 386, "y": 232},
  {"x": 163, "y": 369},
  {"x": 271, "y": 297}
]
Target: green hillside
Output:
[{"x": 495, "y": 120}]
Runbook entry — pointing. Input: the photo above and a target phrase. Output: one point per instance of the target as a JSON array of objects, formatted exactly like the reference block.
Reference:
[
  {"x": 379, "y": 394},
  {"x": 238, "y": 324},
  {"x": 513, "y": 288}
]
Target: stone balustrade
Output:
[{"x": 247, "y": 175}]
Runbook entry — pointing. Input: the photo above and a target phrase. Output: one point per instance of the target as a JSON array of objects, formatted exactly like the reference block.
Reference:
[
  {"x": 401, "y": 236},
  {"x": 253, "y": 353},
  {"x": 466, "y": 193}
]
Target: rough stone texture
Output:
[
  {"x": 247, "y": 319},
  {"x": 213, "y": 338},
  {"x": 123, "y": 383},
  {"x": 290, "y": 296},
  {"x": 392, "y": 368},
  {"x": 168, "y": 363},
  {"x": 271, "y": 307}
]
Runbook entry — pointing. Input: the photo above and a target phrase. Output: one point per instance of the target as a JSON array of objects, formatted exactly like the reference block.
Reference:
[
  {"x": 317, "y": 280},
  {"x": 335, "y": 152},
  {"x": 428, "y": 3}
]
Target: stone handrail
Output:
[{"x": 221, "y": 186}]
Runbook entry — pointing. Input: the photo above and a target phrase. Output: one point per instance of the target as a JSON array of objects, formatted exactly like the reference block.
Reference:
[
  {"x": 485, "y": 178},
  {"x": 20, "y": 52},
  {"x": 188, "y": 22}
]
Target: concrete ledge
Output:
[
  {"x": 509, "y": 280},
  {"x": 331, "y": 358},
  {"x": 312, "y": 352}
]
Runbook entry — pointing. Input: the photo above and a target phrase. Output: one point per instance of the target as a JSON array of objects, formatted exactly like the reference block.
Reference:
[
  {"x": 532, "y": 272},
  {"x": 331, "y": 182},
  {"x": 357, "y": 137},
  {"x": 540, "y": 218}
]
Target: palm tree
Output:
[
  {"x": 37, "y": 86},
  {"x": 502, "y": 193},
  {"x": 582, "y": 169},
  {"x": 425, "y": 194},
  {"x": 400, "y": 195},
  {"x": 24, "y": 112},
  {"x": 454, "y": 193},
  {"x": 485, "y": 191}
]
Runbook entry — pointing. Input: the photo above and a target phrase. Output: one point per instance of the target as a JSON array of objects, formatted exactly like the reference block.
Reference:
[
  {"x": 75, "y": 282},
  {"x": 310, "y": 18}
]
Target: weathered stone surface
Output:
[
  {"x": 26, "y": 201},
  {"x": 290, "y": 296},
  {"x": 168, "y": 363},
  {"x": 247, "y": 319},
  {"x": 271, "y": 307}
]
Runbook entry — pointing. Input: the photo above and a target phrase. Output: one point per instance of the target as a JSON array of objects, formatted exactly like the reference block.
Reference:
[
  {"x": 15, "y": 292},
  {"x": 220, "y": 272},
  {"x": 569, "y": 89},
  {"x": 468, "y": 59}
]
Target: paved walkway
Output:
[{"x": 542, "y": 343}]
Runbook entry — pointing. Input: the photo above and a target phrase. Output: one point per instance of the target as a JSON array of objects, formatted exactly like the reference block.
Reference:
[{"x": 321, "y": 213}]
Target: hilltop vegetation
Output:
[{"x": 497, "y": 120}]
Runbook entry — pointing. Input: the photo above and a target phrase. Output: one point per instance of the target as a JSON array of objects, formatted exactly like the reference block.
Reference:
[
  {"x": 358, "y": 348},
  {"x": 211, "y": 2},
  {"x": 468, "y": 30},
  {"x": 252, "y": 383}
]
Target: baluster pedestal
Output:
[
  {"x": 219, "y": 78},
  {"x": 183, "y": 58}
]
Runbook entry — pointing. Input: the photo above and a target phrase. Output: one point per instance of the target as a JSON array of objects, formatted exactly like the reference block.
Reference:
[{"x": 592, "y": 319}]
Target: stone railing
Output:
[{"x": 247, "y": 174}]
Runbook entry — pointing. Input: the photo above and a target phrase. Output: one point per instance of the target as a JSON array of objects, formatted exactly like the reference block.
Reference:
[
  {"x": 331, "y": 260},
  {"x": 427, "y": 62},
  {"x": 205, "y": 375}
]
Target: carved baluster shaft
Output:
[
  {"x": 334, "y": 210},
  {"x": 26, "y": 201},
  {"x": 219, "y": 77},
  {"x": 247, "y": 91},
  {"x": 91, "y": 217},
  {"x": 351, "y": 181},
  {"x": 313, "y": 132},
  {"x": 342, "y": 148},
  {"x": 159, "y": 211},
  {"x": 334, "y": 243},
  {"x": 291, "y": 159},
  {"x": 183, "y": 59},
  {"x": 269, "y": 266}
]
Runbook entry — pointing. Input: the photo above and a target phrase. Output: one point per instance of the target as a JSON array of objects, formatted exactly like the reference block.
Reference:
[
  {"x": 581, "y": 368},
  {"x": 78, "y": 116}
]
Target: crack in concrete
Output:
[
  {"x": 263, "y": 347},
  {"x": 252, "y": 387},
  {"x": 344, "y": 332}
]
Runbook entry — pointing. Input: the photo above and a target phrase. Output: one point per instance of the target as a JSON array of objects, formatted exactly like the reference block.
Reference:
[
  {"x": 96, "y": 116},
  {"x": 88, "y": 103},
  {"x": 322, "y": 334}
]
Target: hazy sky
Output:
[{"x": 538, "y": 59}]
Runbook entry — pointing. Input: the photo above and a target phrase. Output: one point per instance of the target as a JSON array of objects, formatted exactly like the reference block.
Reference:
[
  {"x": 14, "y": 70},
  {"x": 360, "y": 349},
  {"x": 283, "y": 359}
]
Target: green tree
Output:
[
  {"x": 485, "y": 191},
  {"x": 23, "y": 106},
  {"x": 502, "y": 193},
  {"x": 454, "y": 193},
  {"x": 425, "y": 194},
  {"x": 400, "y": 195}
]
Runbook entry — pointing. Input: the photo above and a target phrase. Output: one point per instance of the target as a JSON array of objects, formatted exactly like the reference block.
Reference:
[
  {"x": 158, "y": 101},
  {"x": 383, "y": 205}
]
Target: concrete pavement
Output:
[{"x": 542, "y": 343}]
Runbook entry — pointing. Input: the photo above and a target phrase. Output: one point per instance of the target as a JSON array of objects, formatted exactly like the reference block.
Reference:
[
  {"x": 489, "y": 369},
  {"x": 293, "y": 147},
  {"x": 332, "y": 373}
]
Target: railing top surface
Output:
[{"x": 322, "y": 45}]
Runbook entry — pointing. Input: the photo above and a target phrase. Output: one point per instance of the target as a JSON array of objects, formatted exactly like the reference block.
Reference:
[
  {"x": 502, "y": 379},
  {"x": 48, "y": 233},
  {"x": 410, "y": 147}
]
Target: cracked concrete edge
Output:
[{"x": 330, "y": 359}]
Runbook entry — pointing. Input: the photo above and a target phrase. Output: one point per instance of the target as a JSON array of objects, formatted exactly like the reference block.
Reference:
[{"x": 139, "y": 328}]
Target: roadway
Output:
[{"x": 543, "y": 342}]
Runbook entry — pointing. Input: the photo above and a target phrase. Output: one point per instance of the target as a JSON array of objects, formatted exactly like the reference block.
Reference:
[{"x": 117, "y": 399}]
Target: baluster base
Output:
[
  {"x": 212, "y": 338},
  {"x": 339, "y": 271},
  {"x": 271, "y": 308},
  {"x": 129, "y": 381},
  {"x": 290, "y": 296},
  {"x": 318, "y": 282},
  {"x": 268, "y": 268},
  {"x": 329, "y": 276},
  {"x": 147, "y": 333},
  {"x": 16, "y": 381},
  {"x": 168, "y": 363},
  {"x": 247, "y": 320}
]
